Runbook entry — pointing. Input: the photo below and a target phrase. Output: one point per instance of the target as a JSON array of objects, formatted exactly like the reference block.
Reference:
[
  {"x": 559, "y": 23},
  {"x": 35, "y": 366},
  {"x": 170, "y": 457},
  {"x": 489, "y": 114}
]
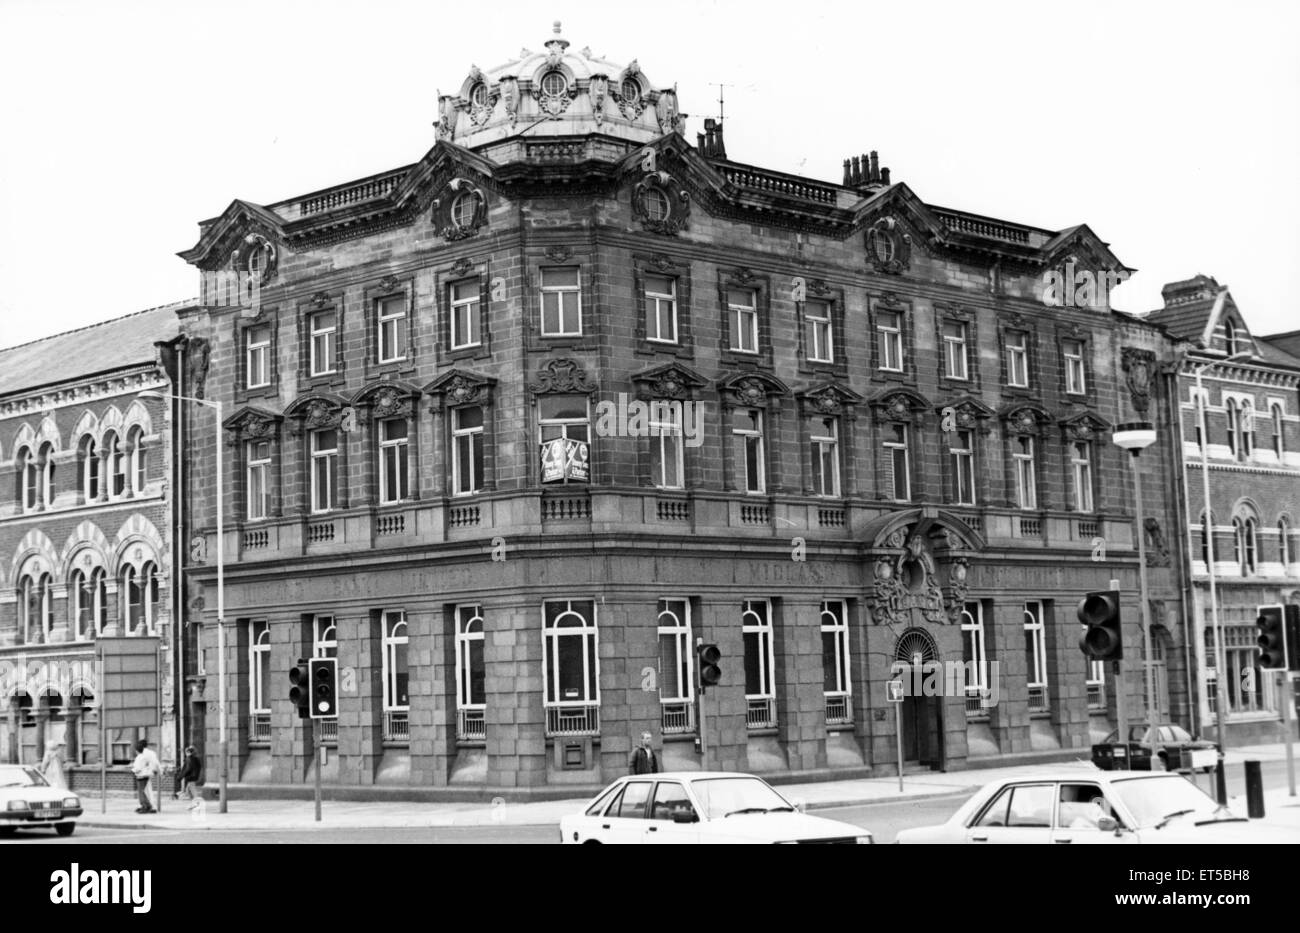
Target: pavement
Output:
[{"x": 118, "y": 812}]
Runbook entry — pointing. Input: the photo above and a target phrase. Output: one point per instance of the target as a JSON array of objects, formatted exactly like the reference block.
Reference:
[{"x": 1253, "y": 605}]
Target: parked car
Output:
[
  {"x": 27, "y": 801},
  {"x": 1074, "y": 805},
  {"x": 1170, "y": 743},
  {"x": 699, "y": 807}
]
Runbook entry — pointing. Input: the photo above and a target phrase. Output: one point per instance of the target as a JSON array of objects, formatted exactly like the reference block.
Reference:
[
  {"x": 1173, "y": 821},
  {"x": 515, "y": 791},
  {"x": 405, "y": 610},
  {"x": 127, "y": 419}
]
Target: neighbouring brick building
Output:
[
  {"x": 85, "y": 534},
  {"x": 437, "y": 469},
  {"x": 1252, "y": 461}
]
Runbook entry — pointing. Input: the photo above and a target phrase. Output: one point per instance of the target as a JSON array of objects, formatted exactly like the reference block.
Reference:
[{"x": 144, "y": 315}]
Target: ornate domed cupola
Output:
[{"x": 557, "y": 93}]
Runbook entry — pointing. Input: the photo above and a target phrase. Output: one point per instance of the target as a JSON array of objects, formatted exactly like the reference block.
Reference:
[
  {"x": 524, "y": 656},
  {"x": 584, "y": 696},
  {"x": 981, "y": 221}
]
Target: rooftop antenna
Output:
[{"x": 721, "y": 102}]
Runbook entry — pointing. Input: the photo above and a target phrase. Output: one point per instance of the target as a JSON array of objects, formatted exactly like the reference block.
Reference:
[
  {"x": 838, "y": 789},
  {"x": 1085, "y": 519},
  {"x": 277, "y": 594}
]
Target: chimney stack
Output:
[{"x": 864, "y": 172}]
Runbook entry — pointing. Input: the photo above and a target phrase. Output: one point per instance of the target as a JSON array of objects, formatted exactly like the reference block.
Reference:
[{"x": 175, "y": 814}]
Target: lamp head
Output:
[{"x": 1135, "y": 435}]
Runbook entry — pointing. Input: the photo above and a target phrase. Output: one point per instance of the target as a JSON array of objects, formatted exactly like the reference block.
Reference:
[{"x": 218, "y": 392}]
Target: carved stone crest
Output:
[
  {"x": 1139, "y": 369},
  {"x": 564, "y": 375},
  {"x": 389, "y": 283},
  {"x": 662, "y": 262},
  {"x": 559, "y": 253},
  {"x": 461, "y": 266},
  {"x": 661, "y": 204},
  {"x": 750, "y": 393},
  {"x": 908, "y": 582},
  {"x": 597, "y": 89},
  {"x": 889, "y": 246},
  {"x": 1157, "y": 547},
  {"x": 199, "y": 353}
]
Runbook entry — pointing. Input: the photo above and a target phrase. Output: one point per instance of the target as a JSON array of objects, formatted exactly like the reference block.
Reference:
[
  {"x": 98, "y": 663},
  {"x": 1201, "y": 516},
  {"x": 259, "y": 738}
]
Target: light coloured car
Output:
[
  {"x": 694, "y": 807},
  {"x": 1084, "y": 807},
  {"x": 27, "y": 801}
]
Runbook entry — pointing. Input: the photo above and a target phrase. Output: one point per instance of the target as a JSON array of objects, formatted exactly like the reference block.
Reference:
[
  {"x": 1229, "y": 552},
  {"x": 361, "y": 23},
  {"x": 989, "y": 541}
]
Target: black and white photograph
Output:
[{"x": 675, "y": 423}]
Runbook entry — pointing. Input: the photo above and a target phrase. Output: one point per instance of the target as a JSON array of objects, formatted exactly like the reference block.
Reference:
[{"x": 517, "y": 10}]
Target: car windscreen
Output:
[
  {"x": 13, "y": 776},
  {"x": 1151, "y": 799},
  {"x": 720, "y": 797}
]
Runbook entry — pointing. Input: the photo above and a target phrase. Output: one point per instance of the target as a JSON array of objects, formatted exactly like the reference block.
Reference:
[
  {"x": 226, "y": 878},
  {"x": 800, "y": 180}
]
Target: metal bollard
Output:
[{"x": 1254, "y": 791}]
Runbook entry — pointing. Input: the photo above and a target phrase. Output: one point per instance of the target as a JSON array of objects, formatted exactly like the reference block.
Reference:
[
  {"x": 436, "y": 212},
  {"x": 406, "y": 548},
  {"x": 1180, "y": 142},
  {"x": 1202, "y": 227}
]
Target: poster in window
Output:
[{"x": 565, "y": 459}]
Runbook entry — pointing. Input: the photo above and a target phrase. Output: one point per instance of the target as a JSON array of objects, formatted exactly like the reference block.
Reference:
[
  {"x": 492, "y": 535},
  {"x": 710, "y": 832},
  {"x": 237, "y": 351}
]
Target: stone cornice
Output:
[{"x": 79, "y": 392}]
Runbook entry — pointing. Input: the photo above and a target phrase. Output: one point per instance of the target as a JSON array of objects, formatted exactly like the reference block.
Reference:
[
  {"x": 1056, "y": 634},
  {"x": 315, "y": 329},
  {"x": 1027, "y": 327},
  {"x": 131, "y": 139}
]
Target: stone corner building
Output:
[
  {"x": 878, "y": 443},
  {"x": 86, "y": 518}
]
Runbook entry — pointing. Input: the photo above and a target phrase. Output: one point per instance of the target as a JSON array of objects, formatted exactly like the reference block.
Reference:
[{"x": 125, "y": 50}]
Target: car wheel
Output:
[
  {"x": 592, "y": 842},
  {"x": 64, "y": 829}
]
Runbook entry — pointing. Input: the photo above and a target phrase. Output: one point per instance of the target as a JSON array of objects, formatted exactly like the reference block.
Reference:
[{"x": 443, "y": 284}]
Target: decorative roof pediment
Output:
[
  {"x": 1082, "y": 248},
  {"x": 243, "y": 228},
  {"x": 898, "y": 403},
  {"x": 751, "y": 388},
  {"x": 668, "y": 381},
  {"x": 461, "y": 387}
]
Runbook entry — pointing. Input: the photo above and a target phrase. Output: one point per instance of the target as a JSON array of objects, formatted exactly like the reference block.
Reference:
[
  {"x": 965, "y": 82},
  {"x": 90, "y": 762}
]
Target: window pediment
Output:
[{"x": 668, "y": 381}]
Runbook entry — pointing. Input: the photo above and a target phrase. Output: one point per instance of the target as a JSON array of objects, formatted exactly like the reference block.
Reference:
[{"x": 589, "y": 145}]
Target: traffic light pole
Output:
[
  {"x": 699, "y": 685},
  {"x": 316, "y": 749},
  {"x": 1288, "y": 700},
  {"x": 1121, "y": 712}
]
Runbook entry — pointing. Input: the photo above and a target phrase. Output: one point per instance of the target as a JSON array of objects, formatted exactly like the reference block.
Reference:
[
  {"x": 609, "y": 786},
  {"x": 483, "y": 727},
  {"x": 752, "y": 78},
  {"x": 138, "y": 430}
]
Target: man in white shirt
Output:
[{"x": 145, "y": 766}]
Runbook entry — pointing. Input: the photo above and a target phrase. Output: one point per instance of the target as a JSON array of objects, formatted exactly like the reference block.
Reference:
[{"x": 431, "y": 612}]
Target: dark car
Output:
[{"x": 1174, "y": 746}]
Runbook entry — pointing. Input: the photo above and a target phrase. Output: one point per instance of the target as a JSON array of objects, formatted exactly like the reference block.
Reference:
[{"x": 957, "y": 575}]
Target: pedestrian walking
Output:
[
  {"x": 52, "y": 765},
  {"x": 145, "y": 766},
  {"x": 192, "y": 777},
  {"x": 644, "y": 759}
]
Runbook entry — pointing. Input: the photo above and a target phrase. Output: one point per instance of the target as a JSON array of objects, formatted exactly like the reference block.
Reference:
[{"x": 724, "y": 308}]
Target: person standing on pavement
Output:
[
  {"x": 644, "y": 759},
  {"x": 145, "y": 766},
  {"x": 191, "y": 776}
]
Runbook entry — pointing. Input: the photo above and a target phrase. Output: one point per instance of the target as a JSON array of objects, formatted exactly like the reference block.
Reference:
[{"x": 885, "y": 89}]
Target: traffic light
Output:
[
  {"x": 324, "y": 683},
  {"x": 1103, "y": 640},
  {"x": 299, "y": 695},
  {"x": 1272, "y": 638},
  {"x": 708, "y": 657},
  {"x": 1293, "y": 638}
]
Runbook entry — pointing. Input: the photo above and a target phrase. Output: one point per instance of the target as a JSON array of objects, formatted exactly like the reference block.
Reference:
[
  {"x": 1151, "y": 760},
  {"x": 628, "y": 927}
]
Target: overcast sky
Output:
[{"x": 1172, "y": 129}]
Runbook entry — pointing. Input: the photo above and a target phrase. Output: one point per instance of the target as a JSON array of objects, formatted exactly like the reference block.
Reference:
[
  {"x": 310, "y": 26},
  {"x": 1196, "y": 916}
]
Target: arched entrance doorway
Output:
[{"x": 915, "y": 657}]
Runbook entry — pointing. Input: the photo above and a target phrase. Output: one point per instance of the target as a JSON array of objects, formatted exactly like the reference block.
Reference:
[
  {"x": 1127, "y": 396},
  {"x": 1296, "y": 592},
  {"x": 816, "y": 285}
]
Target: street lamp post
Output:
[
  {"x": 1220, "y": 669},
  {"x": 222, "y": 728},
  {"x": 1136, "y": 437}
]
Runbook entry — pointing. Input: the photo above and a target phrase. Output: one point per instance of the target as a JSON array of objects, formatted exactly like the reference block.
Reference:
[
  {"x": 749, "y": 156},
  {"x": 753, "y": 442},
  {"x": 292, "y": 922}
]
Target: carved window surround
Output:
[
  {"x": 389, "y": 287},
  {"x": 452, "y": 274},
  {"x": 461, "y": 388},
  {"x": 1014, "y": 322},
  {"x": 953, "y": 314},
  {"x": 830, "y": 400},
  {"x": 679, "y": 271},
  {"x": 760, "y": 285},
  {"x": 560, "y": 257},
  {"x": 818, "y": 290},
  {"x": 321, "y": 301},
  {"x": 753, "y": 389},
  {"x": 890, "y": 302},
  {"x": 242, "y": 324},
  {"x": 246, "y": 426}
]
